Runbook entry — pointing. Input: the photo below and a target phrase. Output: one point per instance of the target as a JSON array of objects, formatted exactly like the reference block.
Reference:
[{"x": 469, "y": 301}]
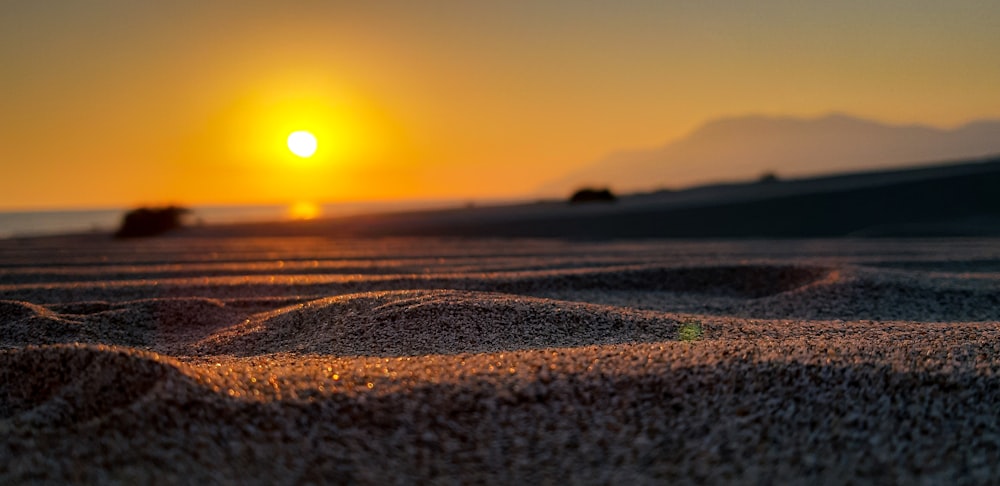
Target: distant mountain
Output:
[{"x": 737, "y": 149}]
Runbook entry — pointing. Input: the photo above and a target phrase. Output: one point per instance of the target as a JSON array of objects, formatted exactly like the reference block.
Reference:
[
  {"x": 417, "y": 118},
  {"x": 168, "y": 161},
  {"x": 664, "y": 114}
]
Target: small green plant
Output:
[{"x": 689, "y": 331}]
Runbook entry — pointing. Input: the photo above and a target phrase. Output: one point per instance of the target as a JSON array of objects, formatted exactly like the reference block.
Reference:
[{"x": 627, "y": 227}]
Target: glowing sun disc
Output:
[{"x": 302, "y": 143}]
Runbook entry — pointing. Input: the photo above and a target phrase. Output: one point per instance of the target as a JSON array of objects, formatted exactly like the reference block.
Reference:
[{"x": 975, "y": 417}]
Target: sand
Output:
[{"x": 401, "y": 361}]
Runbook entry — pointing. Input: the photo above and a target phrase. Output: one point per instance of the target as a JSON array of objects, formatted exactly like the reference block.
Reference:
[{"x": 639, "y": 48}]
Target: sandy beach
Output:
[{"x": 300, "y": 360}]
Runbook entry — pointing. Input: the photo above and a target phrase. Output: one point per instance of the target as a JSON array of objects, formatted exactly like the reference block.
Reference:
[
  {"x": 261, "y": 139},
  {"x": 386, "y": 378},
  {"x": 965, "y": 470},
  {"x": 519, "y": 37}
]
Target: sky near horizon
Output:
[{"x": 119, "y": 103}]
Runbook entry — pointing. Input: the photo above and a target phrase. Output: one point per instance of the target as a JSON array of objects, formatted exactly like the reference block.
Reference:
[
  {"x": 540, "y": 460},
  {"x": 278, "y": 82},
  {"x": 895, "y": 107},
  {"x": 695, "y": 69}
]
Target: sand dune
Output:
[
  {"x": 499, "y": 361},
  {"x": 414, "y": 323}
]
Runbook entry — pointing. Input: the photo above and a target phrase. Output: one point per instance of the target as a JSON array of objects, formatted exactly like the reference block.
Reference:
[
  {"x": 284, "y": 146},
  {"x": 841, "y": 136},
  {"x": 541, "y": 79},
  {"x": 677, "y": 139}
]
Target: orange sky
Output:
[{"x": 115, "y": 103}]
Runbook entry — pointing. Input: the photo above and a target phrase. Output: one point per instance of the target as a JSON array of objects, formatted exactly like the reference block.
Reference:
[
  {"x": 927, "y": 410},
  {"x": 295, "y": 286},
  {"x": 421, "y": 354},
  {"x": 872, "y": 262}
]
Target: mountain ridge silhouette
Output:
[{"x": 743, "y": 147}]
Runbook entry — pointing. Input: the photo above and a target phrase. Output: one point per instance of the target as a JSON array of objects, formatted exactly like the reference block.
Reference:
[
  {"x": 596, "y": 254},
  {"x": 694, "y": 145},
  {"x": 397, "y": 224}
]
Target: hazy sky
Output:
[{"x": 112, "y": 103}]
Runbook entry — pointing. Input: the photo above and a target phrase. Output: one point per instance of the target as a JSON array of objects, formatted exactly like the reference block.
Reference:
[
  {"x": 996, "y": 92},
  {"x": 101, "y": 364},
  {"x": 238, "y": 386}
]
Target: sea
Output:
[{"x": 14, "y": 224}]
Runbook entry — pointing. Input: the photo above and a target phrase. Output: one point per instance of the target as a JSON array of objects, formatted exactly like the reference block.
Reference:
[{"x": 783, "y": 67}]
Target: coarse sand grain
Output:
[{"x": 308, "y": 360}]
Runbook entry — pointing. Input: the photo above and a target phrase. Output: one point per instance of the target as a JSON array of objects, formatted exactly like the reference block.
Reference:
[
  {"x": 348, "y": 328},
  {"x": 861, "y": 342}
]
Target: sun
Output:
[
  {"x": 302, "y": 143},
  {"x": 304, "y": 210}
]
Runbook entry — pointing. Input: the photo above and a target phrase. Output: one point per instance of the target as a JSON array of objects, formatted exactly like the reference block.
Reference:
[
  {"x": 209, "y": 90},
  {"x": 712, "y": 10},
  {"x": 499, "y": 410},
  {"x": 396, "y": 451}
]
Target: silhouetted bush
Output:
[
  {"x": 587, "y": 195},
  {"x": 150, "y": 221},
  {"x": 768, "y": 177}
]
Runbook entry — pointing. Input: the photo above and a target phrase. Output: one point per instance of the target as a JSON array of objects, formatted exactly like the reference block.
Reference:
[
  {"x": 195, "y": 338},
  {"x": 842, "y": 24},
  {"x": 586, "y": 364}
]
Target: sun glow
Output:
[
  {"x": 349, "y": 142},
  {"x": 302, "y": 143},
  {"x": 274, "y": 128},
  {"x": 304, "y": 210}
]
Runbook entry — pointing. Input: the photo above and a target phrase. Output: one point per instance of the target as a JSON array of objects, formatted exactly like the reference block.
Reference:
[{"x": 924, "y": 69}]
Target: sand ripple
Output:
[
  {"x": 55, "y": 386},
  {"x": 200, "y": 360},
  {"x": 878, "y": 298},
  {"x": 162, "y": 324},
  {"x": 742, "y": 281},
  {"x": 414, "y": 323}
]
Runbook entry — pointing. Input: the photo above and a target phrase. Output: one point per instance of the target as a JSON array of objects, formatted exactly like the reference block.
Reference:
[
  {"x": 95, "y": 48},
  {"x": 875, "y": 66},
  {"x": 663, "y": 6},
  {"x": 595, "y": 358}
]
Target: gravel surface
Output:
[{"x": 184, "y": 360}]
